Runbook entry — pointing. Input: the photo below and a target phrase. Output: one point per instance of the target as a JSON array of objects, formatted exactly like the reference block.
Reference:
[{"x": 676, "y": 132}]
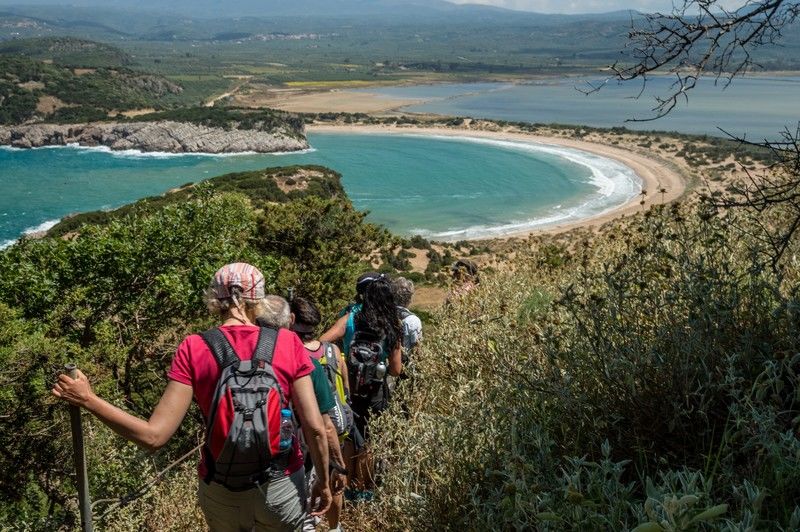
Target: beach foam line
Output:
[
  {"x": 139, "y": 154},
  {"x": 42, "y": 227},
  {"x": 608, "y": 175},
  {"x": 616, "y": 185}
]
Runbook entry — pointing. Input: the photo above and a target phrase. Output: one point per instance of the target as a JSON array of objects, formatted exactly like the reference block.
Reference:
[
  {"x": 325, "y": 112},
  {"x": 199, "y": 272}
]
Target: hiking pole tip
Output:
[{"x": 80, "y": 457}]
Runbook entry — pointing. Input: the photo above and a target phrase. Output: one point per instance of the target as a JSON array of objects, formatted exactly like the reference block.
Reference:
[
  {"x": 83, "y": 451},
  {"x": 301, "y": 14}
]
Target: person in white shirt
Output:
[{"x": 403, "y": 290}]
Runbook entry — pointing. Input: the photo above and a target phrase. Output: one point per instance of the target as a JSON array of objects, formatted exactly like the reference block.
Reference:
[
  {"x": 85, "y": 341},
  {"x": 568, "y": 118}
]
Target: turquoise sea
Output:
[
  {"x": 435, "y": 186},
  {"x": 758, "y": 107}
]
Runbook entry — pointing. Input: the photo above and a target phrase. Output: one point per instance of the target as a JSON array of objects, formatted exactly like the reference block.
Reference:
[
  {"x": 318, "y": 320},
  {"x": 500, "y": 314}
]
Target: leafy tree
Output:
[{"x": 323, "y": 245}]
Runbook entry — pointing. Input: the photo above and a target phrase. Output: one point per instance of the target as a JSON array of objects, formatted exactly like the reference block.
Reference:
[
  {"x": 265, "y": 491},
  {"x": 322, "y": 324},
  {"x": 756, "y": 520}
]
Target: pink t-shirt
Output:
[{"x": 195, "y": 366}]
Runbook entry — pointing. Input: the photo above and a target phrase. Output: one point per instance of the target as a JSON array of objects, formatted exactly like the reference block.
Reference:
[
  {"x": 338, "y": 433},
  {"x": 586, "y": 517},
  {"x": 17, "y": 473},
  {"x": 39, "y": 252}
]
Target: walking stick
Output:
[{"x": 80, "y": 458}]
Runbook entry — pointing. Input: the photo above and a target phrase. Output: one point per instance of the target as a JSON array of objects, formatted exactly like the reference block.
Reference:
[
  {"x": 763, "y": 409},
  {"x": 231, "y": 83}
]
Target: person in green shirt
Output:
[
  {"x": 278, "y": 315},
  {"x": 305, "y": 320},
  {"x": 322, "y": 388}
]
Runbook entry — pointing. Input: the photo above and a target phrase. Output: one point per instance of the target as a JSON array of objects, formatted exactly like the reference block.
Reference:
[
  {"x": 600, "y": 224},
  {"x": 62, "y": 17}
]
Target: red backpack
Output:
[{"x": 244, "y": 445}]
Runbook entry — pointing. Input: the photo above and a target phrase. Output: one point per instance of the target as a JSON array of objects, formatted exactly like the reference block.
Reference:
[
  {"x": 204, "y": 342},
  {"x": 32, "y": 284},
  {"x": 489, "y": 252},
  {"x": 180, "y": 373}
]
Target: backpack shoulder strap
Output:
[
  {"x": 265, "y": 348},
  {"x": 220, "y": 347}
]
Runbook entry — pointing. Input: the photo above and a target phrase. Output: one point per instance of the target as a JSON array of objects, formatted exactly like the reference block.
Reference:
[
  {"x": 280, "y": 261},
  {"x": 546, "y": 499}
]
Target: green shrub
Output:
[{"x": 322, "y": 243}]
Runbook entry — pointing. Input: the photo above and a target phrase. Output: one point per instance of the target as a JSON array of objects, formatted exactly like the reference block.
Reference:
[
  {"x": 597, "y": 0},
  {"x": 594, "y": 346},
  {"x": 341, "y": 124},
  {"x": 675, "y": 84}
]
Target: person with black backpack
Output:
[
  {"x": 372, "y": 336},
  {"x": 244, "y": 378}
]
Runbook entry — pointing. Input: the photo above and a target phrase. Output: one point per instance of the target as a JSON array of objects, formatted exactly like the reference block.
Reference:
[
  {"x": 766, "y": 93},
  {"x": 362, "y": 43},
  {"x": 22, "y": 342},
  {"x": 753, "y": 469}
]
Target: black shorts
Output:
[{"x": 365, "y": 408}]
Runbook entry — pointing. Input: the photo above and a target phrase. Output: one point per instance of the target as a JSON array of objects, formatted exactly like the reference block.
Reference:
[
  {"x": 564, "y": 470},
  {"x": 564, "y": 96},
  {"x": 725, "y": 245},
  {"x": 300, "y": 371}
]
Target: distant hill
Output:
[
  {"x": 430, "y": 36},
  {"x": 267, "y": 8},
  {"x": 67, "y": 51},
  {"x": 32, "y": 90},
  {"x": 101, "y": 12}
]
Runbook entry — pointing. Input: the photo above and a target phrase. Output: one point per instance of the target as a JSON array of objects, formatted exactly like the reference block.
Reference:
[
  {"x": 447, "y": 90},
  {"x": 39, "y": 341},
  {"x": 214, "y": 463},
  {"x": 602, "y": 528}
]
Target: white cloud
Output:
[{"x": 588, "y": 6}]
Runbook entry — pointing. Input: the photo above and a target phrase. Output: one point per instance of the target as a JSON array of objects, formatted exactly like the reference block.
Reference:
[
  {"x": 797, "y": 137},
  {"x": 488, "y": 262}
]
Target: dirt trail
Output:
[{"x": 215, "y": 99}]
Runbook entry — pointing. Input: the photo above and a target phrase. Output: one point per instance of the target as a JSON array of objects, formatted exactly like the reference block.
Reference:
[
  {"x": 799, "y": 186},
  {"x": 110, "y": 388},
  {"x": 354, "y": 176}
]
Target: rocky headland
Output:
[{"x": 160, "y": 136}]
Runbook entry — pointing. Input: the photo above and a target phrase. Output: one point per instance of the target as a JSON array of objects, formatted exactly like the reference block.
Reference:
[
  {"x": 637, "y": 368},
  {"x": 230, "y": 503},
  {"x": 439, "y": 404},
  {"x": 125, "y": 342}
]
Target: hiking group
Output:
[{"x": 286, "y": 413}]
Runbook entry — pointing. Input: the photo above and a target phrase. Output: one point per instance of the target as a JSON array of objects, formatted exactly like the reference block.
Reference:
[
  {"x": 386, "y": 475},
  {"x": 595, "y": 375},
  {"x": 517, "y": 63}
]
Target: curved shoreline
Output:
[{"x": 654, "y": 173}]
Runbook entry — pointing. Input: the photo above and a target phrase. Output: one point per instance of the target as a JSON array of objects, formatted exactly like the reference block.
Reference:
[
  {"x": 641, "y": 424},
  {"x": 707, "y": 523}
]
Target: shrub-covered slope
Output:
[
  {"x": 280, "y": 184},
  {"x": 645, "y": 376},
  {"x": 32, "y": 90},
  {"x": 67, "y": 51}
]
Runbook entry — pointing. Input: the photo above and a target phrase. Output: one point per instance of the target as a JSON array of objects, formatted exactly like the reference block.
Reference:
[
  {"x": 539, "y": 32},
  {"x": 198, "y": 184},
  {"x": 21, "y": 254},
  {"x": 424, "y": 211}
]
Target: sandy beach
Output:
[
  {"x": 655, "y": 172},
  {"x": 320, "y": 101}
]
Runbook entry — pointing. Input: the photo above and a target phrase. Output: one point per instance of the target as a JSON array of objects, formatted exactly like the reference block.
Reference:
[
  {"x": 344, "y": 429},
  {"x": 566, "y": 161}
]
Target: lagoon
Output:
[
  {"x": 440, "y": 187},
  {"x": 758, "y": 107}
]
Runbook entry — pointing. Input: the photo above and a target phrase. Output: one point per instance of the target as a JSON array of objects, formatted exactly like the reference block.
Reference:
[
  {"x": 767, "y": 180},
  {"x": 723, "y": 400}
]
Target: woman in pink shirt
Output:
[{"x": 276, "y": 501}]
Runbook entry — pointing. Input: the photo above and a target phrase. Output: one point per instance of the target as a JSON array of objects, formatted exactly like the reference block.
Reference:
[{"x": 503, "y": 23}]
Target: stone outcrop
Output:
[{"x": 164, "y": 136}]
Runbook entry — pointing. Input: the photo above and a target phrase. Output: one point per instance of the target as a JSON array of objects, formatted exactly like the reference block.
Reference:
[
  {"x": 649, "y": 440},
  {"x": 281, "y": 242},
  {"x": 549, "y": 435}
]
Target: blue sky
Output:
[{"x": 587, "y": 6}]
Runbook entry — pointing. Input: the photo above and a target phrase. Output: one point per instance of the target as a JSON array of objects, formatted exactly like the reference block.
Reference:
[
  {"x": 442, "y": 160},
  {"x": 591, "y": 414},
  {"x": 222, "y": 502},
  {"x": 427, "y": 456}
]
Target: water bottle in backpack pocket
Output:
[
  {"x": 366, "y": 363},
  {"x": 287, "y": 430},
  {"x": 250, "y": 429}
]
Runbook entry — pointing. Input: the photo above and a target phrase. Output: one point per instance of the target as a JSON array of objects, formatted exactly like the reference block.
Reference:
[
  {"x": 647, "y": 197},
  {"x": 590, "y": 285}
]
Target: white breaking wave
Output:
[
  {"x": 44, "y": 226},
  {"x": 139, "y": 154},
  {"x": 615, "y": 182},
  {"x": 298, "y": 152}
]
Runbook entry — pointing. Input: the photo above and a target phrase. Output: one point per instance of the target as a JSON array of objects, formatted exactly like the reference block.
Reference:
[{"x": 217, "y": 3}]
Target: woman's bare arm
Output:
[
  {"x": 151, "y": 434},
  {"x": 396, "y": 361},
  {"x": 336, "y": 332},
  {"x": 335, "y": 450}
]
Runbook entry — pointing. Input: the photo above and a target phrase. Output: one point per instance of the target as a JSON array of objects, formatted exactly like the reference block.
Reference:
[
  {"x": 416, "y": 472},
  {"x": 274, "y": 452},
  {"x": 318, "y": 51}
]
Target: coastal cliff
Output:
[{"x": 160, "y": 136}]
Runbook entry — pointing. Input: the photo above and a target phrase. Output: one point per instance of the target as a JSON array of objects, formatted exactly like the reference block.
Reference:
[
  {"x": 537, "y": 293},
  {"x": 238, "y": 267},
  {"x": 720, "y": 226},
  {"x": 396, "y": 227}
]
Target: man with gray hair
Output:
[
  {"x": 403, "y": 290},
  {"x": 277, "y": 313}
]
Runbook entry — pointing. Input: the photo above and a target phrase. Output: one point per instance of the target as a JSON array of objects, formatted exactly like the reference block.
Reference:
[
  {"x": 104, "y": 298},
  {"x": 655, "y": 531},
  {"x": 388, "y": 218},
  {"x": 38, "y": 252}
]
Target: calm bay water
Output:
[
  {"x": 441, "y": 187},
  {"x": 758, "y": 107}
]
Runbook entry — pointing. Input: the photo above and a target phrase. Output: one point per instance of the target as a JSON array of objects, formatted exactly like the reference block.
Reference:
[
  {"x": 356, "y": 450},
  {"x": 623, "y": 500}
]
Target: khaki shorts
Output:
[{"x": 277, "y": 505}]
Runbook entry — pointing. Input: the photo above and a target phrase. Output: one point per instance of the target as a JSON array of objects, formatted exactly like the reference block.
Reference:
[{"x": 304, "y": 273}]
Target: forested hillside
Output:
[
  {"x": 32, "y": 90},
  {"x": 67, "y": 51}
]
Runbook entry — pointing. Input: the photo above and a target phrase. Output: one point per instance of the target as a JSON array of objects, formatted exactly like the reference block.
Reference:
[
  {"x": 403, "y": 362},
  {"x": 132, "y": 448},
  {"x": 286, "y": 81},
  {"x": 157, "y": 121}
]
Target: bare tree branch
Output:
[{"x": 699, "y": 37}]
